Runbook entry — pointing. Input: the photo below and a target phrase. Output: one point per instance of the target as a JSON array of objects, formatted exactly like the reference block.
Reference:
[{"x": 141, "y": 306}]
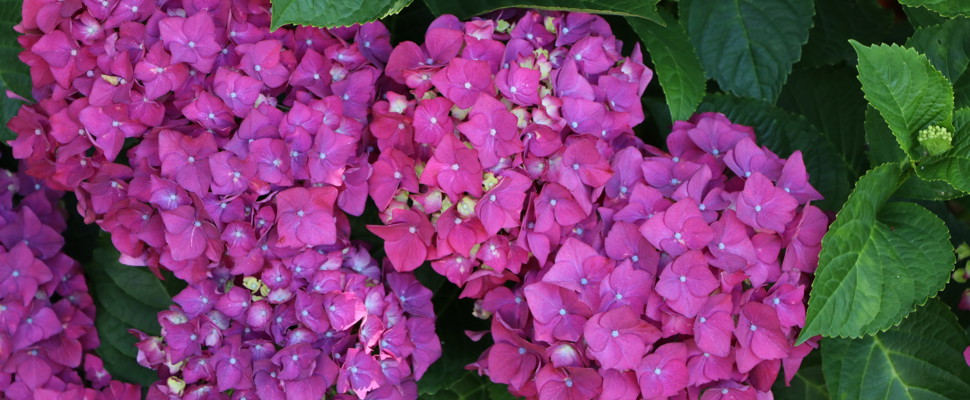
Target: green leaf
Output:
[
  {"x": 945, "y": 45},
  {"x": 905, "y": 88},
  {"x": 920, "y": 189},
  {"x": 883, "y": 147},
  {"x": 136, "y": 282},
  {"x": 949, "y": 8},
  {"x": 333, "y": 13},
  {"x": 14, "y": 74},
  {"x": 108, "y": 289},
  {"x": 126, "y": 297},
  {"x": 807, "y": 384},
  {"x": 748, "y": 46},
  {"x": 830, "y": 98},
  {"x": 961, "y": 91},
  {"x": 919, "y": 359},
  {"x": 675, "y": 61},
  {"x": 837, "y": 21},
  {"x": 879, "y": 261},
  {"x": 625, "y": 8},
  {"x": 920, "y": 17},
  {"x": 952, "y": 166},
  {"x": 470, "y": 386},
  {"x": 121, "y": 364},
  {"x": 784, "y": 132}
]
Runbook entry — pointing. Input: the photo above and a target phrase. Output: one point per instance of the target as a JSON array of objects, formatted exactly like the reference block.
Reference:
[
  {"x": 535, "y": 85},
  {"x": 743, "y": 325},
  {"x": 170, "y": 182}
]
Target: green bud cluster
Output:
[{"x": 935, "y": 139}]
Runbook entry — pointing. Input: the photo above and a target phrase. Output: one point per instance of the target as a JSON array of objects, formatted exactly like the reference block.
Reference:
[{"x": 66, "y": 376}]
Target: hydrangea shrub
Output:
[{"x": 507, "y": 153}]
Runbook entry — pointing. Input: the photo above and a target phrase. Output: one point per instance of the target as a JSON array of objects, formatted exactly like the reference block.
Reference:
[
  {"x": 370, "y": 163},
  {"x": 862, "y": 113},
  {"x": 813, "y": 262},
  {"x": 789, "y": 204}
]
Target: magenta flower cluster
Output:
[
  {"x": 639, "y": 272},
  {"x": 228, "y": 154},
  {"x": 688, "y": 282},
  {"x": 294, "y": 333},
  {"x": 194, "y": 135},
  {"x": 476, "y": 170},
  {"x": 47, "y": 334}
]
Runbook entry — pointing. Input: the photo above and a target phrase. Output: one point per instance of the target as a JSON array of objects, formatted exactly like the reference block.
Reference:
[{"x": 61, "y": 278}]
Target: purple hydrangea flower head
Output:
[
  {"x": 47, "y": 333},
  {"x": 229, "y": 155},
  {"x": 542, "y": 183}
]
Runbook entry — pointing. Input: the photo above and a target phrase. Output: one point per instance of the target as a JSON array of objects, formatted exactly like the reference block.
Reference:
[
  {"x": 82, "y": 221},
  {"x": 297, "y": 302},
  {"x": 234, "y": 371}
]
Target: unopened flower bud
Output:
[{"x": 935, "y": 139}]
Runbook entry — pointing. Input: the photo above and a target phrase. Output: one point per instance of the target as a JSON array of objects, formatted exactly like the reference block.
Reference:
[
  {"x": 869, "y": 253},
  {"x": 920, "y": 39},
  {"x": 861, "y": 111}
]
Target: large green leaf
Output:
[
  {"x": 118, "y": 351},
  {"x": 626, "y": 8},
  {"x": 333, "y": 13},
  {"x": 675, "y": 61},
  {"x": 946, "y": 46},
  {"x": 883, "y": 147},
  {"x": 126, "y": 297},
  {"x": 920, "y": 17},
  {"x": 961, "y": 91},
  {"x": 905, "y": 88},
  {"x": 919, "y": 359},
  {"x": 807, "y": 384},
  {"x": 949, "y": 8},
  {"x": 879, "y": 261},
  {"x": 921, "y": 189},
  {"x": 470, "y": 386},
  {"x": 837, "y": 21},
  {"x": 14, "y": 74},
  {"x": 748, "y": 46},
  {"x": 954, "y": 165},
  {"x": 830, "y": 98},
  {"x": 784, "y": 132}
]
